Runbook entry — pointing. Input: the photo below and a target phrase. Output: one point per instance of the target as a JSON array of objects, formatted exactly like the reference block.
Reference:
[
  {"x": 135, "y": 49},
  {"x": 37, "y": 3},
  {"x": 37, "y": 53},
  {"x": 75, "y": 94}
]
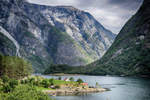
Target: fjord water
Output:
[{"x": 122, "y": 88}]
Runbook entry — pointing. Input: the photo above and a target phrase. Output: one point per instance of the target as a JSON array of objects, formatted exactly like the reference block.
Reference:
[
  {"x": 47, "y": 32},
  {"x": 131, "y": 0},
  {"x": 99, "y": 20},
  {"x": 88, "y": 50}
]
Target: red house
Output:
[{"x": 85, "y": 84}]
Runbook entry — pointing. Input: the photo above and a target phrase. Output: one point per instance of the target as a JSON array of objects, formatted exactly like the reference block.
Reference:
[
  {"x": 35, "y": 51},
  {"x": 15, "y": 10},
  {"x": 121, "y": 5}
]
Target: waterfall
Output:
[{"x": 4, "y": 32}]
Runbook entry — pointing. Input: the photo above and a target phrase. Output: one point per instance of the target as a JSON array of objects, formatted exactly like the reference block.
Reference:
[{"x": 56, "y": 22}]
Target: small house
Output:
[
  {"x": 85, "y": 84},
  {"x": 66, "y": 79}
]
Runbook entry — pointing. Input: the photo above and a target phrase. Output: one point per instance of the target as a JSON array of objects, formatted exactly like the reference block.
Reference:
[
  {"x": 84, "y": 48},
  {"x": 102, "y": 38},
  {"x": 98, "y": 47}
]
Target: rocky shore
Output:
[{"x": 73, "y": 91}]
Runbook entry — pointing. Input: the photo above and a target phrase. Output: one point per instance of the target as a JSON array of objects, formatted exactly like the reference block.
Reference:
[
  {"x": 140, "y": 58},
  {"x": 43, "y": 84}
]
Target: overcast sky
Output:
[{"x": 112, "y": 14}]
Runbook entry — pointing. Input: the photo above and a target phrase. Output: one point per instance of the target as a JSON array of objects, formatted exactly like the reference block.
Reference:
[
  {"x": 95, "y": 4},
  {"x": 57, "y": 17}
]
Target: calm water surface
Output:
[{"x": 122, "y": 88}]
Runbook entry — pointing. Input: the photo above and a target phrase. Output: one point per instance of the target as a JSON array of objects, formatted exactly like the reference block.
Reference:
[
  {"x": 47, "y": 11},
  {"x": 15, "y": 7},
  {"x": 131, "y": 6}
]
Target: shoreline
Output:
[
  {"x": 62, "y": 74},
  {"x": 71, "y": 92}
]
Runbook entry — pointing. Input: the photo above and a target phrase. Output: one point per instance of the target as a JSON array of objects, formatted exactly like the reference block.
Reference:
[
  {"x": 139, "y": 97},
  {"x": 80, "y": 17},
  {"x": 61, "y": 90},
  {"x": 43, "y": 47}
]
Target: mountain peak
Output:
[
  {"x": 53, "y": 34},
  {"x": 72, "y": 8}
]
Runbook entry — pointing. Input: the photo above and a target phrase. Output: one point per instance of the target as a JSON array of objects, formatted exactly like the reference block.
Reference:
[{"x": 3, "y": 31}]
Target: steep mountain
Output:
[
  {"x": 130, "y": 52},
  {"x": 51, "y": 34},
  {"x": 90, "y": 35}
]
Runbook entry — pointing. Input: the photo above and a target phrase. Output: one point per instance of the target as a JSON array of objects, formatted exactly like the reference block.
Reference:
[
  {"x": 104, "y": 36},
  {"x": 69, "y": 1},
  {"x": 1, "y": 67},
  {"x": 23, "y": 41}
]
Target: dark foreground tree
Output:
[{"x": 14, "y": 67}]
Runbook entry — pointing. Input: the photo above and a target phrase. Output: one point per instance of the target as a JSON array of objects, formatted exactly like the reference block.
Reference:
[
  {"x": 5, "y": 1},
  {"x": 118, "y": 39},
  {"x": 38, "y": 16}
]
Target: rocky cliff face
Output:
[
  {"x": 45, "y": 34},
  {"x": 130, "y": 52}
]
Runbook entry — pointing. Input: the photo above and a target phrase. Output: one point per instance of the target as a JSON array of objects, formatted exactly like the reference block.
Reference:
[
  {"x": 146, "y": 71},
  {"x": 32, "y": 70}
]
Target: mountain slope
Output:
[
  {"x": 58, "y": 35},
  {"x": 130, "y": 52},
  {"x": 89, "y": 36}
]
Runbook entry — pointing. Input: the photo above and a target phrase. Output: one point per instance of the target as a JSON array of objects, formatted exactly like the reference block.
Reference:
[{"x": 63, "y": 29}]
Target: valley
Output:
[{"x": 65, "y": 52}]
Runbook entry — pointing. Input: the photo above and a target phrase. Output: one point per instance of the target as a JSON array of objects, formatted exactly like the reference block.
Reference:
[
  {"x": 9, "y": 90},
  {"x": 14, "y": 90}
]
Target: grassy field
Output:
[
  {"x": 62, "y": 82},
  {"x": 42, "y": 88}
]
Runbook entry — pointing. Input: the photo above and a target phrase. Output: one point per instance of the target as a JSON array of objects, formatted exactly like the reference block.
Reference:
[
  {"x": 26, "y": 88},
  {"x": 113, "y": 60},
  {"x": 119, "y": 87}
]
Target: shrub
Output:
[
  {"x": 32, "y": 81},
  {"x": 45, "y": 83},
  {"x": 6, "y": 88},
  {"x": 9, "y": 85},
  {"x": 80, "y": 81},
  {"x": 1, "y": 83},
  {"x": 5, "y": 79},
  {"x": 24, "y": 92},
  {"x": 22, "y": 81},
  {"x": 57, "y": 87},
  {"x": 51, "y": 81},
  {"x": 71, "y": 79},
  {"x": 59, "y": 78},
  {"x": 13, "y": 83},
  {"x": 26, "y": 81}
]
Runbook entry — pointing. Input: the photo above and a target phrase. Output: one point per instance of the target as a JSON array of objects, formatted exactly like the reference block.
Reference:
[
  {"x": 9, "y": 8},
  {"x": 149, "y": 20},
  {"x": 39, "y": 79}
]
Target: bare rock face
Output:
[{"x": 59, "y": 35}]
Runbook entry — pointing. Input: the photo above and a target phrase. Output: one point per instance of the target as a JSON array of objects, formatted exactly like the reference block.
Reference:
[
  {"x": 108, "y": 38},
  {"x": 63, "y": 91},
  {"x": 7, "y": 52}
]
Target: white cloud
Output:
[{"x": 54, "y": 2}]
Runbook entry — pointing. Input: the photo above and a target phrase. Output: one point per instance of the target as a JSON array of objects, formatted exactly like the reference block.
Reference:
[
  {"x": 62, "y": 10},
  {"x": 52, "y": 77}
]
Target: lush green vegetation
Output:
[
  {"x": 39, "y": 63},
  {"x": 11, "y": 89},
  {"x": 80, "y": 81},
  {"x": 65, "y": 69},
  {"x": 14, "y": 84},
  {"x": 31, "y": 88},
  {"x": 52, "y": 69},
  {"x": 41, "y": 83},
  {"x": 14, "y": 67},
  {"x": 128, "y": 55}
]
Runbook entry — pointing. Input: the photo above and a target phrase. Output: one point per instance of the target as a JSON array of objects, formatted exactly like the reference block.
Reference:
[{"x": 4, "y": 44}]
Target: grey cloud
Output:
[
  {"x": 111, "y": 13},
  {"x": 123, "y": 1},
  {"x": 126, "y": 4}
]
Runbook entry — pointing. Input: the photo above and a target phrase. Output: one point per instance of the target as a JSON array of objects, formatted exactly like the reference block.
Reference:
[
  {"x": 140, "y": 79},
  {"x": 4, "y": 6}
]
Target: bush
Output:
[
  {"x": 45, "y": 83},
  {"x": 9, "y": 85},
  {"x": 24, "y": 92},
  {"x": 6, "y": 88},
  {"x": 26, "y": 81},
  {"x": 59, "y": 78},
  {"x": 13, "y": 83},
  {"x": 71, "y": 79},
  {"x": 22, "y": 81},
  {"x": 51, "y": 81},
  {"x": 80, "y": 81},
  {"x": 1, "y": 83},
  {"x": 57, "y": 87},
  {"x": 5, "y": 79},
  {"x": 32, "y": 81}
]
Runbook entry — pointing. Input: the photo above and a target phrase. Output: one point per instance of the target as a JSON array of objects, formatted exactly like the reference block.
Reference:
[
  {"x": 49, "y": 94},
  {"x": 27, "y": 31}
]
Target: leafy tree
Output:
[
  {"x": 32, "y": 80},
  {"x": 9, "y": 85},
  {"x": 80, "y": 81},
  {"x": 58, "y": 69},
  {"x": 45, "y": 83},
  {"x": 71, "y": 79},
  {"x": 5, "y": 79},
  {"x": 13, "y": 83},
  {"x": 97, "y": 85},
  {"x": 1, "y": 82},
  {"x": 6, "y": 88},
  {"x": 14, "y": 67},
  {"x": 51, "y": 81},
  {"x": 59, "y": 78}
]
